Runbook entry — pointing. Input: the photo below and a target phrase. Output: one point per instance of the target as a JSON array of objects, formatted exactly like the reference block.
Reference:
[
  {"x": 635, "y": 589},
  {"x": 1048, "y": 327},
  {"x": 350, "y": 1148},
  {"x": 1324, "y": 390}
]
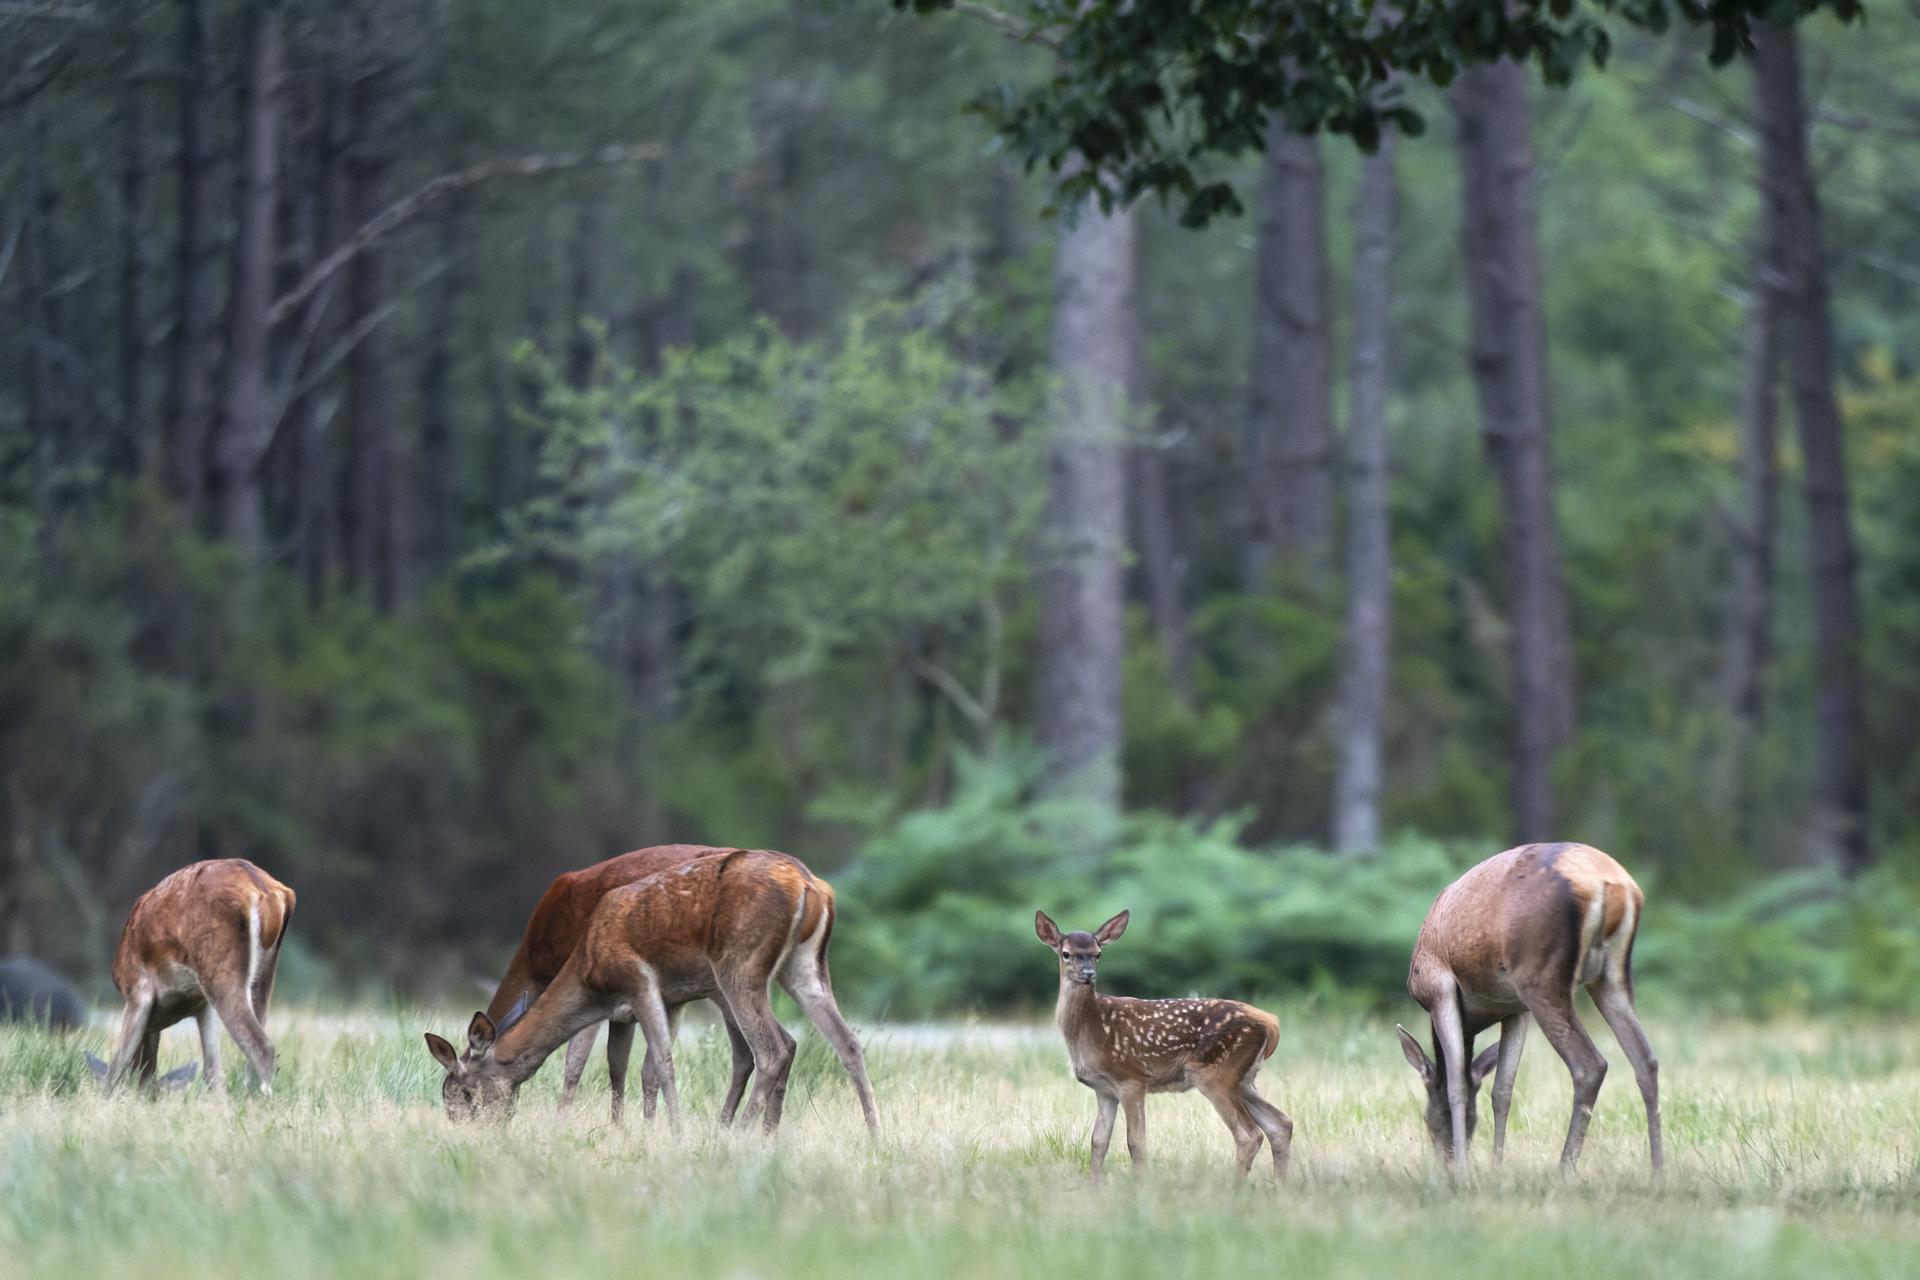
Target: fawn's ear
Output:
[
  {"x": 1048, "y": 931},
  {"x": 1112, "y": 929},
  {"x": 443, "y": 1053},
  {"x": 480, "y": 1033},
  {"x": 1416, "y": 1056},
  {"x": 1483, "y": 1065}
]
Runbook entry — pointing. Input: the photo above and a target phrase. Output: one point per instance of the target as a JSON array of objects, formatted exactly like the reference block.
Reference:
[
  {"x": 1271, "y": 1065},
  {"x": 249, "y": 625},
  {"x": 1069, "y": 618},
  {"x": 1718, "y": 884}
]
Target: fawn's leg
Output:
[
  {"x": 619, "y": 1053},
  {"x": 1275, "y": 1123},
  {"x": 1134, "y": 1099},
  {"x": 210, "y": 1048},
  {"x": 579, "y": 1052},
  {"x": 1553, "y": 1010},
  {"x": 1513, "y": 1039},
  {"x": 1615, "y": 1001},
  {"x": 1226, "y": 1100},
  {"x": 1103, "y": 1131}
]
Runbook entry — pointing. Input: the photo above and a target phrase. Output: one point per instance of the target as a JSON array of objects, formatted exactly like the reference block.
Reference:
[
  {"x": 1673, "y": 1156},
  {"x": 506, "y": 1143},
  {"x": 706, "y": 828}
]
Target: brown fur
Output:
[
  {"x": 1517, "y": 935},
  {"x": 1124, "y": 1049},
  {"x": 555, "y": 928},
  {"x": 185, "y": 952},
  {"x": 723, "y": 926}
]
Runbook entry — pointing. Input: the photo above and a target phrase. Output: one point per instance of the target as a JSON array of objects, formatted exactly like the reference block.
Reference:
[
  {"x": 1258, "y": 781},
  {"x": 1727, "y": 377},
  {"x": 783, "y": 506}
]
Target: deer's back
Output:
[
  {"x": 560, "y": 920},
  {"x": 1526, "y": 907},
  {"x": 200, "y": 918}
]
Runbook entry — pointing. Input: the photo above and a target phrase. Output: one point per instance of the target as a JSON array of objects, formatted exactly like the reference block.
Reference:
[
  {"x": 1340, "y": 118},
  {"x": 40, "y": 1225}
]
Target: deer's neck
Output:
[
  {"x": 555, "y": 1018},
  {"x": 1077, "y": 1012}
]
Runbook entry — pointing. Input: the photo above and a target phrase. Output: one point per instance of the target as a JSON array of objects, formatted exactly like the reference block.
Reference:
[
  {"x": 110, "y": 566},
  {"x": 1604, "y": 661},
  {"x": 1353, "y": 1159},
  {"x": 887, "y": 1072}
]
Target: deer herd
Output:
[{"x": 636, "y": 938}]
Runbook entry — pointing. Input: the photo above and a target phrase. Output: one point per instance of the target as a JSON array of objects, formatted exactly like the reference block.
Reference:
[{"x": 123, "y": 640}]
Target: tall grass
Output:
[{"x": 1794, "y": 1150}]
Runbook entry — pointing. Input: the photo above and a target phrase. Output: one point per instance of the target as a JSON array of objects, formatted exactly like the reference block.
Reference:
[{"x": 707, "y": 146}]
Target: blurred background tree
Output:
[{"x": 441, "y": 445}]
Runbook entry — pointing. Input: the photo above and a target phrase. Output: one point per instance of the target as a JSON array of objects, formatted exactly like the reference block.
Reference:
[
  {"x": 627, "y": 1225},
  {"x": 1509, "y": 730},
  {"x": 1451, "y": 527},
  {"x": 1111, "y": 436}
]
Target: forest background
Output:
[{"x": 440, "y": 448}]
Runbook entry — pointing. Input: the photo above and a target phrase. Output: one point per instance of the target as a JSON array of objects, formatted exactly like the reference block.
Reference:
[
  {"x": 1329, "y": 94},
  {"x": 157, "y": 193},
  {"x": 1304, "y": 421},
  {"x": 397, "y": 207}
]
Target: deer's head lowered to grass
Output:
[
  {"x": 476, "y": 1083},
  {"x": 1517, "y": 937}
]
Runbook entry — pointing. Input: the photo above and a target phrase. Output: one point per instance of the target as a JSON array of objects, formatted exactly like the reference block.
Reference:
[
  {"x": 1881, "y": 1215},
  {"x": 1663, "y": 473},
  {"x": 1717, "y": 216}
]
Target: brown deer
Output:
[
  {"x": 204, "y": 941},
  {"x": 552, "y": 932},
  {"x": 1125, "y": 1049},
  {"x": 1520, "y": 934},
  {"x": 720, "y": 927}
]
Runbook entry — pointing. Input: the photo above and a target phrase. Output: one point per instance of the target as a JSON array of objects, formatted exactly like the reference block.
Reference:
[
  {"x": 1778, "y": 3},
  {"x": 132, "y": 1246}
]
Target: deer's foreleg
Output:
[
  {"x": 619, "y": 1054},
  {"x": 1103, "y": 1131},
  {"x": 1134, "y": 1099},
  {"x": 1450, "y": 1038},
  {"x": 651, "y": 1013},
  {"x": 1513, "y": 1039},
  {"x": 579, "y": 1051}
]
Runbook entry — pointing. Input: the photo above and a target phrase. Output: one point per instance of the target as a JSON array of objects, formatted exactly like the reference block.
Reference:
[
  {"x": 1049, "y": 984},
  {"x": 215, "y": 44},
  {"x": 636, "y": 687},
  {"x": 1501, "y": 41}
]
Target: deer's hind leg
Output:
[
  {"x": 805, "y": 978},
  {"x": 1552, "y": 1008},
  {"x": 1233, "y": 1111},
  {"x": 1275, "y": 1123},
  {"x": 134, "y": 1020},
  {"x": 742, "y": 1053},
  {"x": 209, "y": 1027},
  {"x": 772, "y": 1048},
  {"x": 1614, "y": 998},
  {"x": 231, "y": 997}
]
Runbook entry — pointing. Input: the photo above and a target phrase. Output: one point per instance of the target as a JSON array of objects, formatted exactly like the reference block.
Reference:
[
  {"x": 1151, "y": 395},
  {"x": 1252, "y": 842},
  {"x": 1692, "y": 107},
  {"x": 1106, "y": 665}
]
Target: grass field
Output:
[{"x": 1793, "y": 1150}]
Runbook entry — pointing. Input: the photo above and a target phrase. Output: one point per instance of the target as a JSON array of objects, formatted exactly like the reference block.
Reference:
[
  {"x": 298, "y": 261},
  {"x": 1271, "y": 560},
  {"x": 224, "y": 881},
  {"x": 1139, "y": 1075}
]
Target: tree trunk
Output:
[
  {"x": 1162, "y": 565},
  {"x": 50, "y": 412},
  {"x": 374, "y": 514},
  {"x": 1509, "y": 342},
  {"x": 189, "y": 396},
  {"x": 1791, "y": 214},
  {"x": 435, "y": 544},
  {"x": 246, "y": 421},
  {"x": 1750, "y": 598},
  {"x": 1081, "y": 625},
  {"x": 1290, "y": 438},
  {"x": 126, "y": 454},
  {"x": 1367, "y": 652}
]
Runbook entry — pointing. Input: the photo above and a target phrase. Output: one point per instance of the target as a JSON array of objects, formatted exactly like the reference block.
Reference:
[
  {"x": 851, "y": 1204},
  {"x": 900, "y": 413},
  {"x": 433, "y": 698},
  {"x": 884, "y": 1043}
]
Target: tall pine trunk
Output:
[
  {"x": 130, "y": 432},
  {"x": 1367, "y": 651},
  {"x": 1289, "y": 432},
  {"x": 1509, "y": 346},
  {"x": 245, "y": 421},
  {"x": 1081, "y": 624},
  {"x": 189, "y": 396},
  {"x": 1791, "y": 214},
  {"x": 1750, "y": 596}
]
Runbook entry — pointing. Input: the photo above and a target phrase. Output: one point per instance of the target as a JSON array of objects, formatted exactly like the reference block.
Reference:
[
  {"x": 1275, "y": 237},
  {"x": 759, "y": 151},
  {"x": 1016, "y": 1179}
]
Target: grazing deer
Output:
[
  {"x": 203, "y": 941},
  {"x": 1520, "y": 934},
  {"x": 1125, "y": 1049},
  {"x": 552, "y": 932},
  {"x": 723, "y": 926}
]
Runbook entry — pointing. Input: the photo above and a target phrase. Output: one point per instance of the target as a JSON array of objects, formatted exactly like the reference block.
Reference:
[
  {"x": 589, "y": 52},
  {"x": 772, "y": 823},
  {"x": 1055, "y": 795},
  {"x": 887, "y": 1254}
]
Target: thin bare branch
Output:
[
  {"x": 403, "y": 210},
  {"x": 1008, "y": 25}
]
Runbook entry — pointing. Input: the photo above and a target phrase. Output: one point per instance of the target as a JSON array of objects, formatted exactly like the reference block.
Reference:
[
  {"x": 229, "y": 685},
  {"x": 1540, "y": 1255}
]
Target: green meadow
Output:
[{"x": 1793, "y": 1150}]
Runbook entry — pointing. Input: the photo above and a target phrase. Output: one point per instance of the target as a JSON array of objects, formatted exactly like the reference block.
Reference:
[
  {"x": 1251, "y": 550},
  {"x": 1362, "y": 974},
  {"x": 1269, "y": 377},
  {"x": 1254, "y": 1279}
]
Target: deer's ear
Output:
[
  {"x": 1048, "y": 931},
  {"x": 1483, "y": 1065},
  {"x": 179, "y": 1078},
  {"x": 97, "y": 1067},
  {"x": 443, "y": 1053},
  {"x": 1112, "y": 929},
  {"x": 1416, "y": 1056},
  {"x": 480, "y": 1033}
]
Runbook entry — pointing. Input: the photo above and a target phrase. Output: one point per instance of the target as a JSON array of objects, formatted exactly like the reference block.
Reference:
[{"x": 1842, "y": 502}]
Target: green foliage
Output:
[
  {"x": 1146, "y": 92},
  {"x": 938, "y": 910}
]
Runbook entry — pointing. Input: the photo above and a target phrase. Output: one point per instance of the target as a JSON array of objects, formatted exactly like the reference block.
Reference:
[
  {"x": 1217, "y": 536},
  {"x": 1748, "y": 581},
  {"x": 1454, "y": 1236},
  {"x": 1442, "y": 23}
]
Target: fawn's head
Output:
[
  {"x": 1439, "y": 1112},
  {"x": 1079, "y": 952},
  {"x": 476, "y": 1085}
]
